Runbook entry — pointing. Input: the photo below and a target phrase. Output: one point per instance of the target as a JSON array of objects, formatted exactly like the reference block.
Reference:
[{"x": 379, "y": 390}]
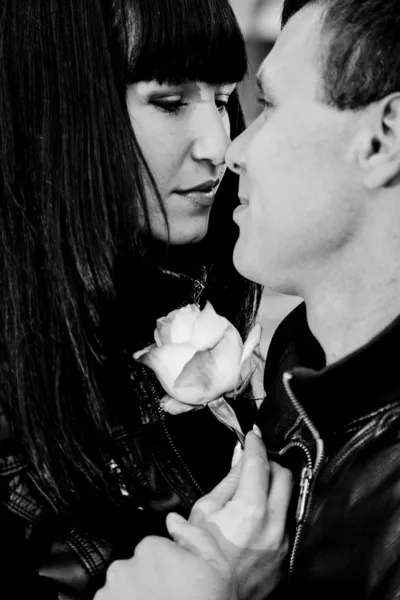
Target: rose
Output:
[{"x": 198, "y": 356}]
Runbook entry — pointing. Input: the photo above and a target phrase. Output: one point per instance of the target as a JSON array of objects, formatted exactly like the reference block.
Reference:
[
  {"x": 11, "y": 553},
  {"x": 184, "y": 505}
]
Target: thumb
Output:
[{"x": 197, "y": 541}]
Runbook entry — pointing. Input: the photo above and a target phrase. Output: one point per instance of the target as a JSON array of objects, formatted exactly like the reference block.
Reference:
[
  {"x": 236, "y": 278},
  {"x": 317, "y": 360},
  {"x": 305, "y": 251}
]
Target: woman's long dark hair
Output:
[{"x": 71, "y": 178}]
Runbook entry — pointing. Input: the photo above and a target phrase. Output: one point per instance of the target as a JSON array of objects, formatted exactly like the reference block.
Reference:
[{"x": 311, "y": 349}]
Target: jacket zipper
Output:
[
  {"x": 198, "y": 289},
  {"x": 161, "y": 414},
  {"x": 306, "y": 480},
  {"x": 308, "y": 473},
  {"x": 305, "y": 483}
]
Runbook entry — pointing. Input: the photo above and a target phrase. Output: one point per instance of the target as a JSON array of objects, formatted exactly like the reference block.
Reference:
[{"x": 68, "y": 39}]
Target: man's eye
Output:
[
  {"x": 171, "y": 107},
  {"x": 265, "y": 104}
]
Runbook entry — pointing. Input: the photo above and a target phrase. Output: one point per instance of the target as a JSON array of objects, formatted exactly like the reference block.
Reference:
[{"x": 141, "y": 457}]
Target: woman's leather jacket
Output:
[{"x": 163, "y": 465}]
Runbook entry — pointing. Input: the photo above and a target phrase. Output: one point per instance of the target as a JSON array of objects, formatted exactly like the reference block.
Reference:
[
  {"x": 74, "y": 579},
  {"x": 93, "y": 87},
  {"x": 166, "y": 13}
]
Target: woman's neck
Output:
[{"x": 176, "y": 258}]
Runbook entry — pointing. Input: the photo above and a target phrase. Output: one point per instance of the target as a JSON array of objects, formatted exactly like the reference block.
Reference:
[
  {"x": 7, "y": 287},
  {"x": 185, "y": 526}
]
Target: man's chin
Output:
[{"x": 243, "y": 263}]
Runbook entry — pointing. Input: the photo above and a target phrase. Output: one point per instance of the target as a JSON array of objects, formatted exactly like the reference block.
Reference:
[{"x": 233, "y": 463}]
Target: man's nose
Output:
[{"x": 235, "y": 157}]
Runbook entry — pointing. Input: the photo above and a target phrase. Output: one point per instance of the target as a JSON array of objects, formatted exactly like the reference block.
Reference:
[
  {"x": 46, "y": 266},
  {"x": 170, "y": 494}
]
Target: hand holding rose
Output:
[
  {"x": 246, "y": 515},
  {"x": 232, "y": 547}
]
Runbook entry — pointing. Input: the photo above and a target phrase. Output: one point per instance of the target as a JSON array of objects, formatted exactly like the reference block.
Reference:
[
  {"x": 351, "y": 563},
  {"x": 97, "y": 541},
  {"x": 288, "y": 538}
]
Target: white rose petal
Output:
[
  {"x": 176, "y": 407},
  {"x": 210, "y": 373},
  {"x": 167, "y": 362},
  {"x": 208, "y": 328},
  {"x": 140, "y": 353},
  {"x": 196, "y": 381},
  {"x": 176, "y": 328},
  {"x": 182, "y": 327},
  {"x": 157, "y": 338},
  {"x": 227, "y": 354}
]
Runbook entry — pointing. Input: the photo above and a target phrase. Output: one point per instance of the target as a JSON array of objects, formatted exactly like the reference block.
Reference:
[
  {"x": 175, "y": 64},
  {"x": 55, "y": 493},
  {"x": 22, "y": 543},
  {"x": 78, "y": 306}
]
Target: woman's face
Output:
[{"x": 183, "y": 131}]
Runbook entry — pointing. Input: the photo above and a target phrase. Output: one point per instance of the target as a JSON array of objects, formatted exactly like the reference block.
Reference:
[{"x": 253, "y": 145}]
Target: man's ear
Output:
[{"x": 379, "y": 153}]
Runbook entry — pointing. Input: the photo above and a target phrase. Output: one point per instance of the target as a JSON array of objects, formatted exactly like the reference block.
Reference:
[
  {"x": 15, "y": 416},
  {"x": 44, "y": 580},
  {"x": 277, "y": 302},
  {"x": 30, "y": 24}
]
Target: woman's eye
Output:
[
  {"x": 171, "y": 107},
  {"x": 222, "y": 104}
]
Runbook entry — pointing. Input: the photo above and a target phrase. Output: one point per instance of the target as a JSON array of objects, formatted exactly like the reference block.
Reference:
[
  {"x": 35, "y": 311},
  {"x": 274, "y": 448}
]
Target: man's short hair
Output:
[{"x": 360, "y": 49}]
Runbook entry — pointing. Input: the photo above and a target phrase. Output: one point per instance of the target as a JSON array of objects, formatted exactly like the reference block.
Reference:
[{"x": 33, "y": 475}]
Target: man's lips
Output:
[{"x": 244, "y": 203}]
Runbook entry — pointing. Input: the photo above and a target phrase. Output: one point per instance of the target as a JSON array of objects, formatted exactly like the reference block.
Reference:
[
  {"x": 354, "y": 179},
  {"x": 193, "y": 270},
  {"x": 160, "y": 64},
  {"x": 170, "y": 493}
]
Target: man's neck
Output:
[{"x": 344, "y": 318}]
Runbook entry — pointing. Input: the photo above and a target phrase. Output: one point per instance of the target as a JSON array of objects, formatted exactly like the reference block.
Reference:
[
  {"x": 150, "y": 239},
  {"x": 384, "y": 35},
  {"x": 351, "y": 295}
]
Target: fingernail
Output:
[
  {"x": 237, "y": 454},
  {"x": 257, "y": 430},
  {"x": 174, "y": 522},
  {"x": 176, "y": 519}
]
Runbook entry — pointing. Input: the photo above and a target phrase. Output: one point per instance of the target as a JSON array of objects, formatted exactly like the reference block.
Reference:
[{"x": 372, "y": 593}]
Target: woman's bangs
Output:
[{"x": 181, "y": 40}]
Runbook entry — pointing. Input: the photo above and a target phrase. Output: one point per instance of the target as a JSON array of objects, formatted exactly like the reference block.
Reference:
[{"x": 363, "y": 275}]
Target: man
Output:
[{"x": 320, "y": 219}]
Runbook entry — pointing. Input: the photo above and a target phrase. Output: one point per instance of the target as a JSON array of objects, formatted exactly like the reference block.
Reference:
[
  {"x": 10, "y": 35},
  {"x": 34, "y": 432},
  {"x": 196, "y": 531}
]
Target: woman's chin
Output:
[
  {"x": 182, "y": 233},
  {"x": 183, "y": 240}
]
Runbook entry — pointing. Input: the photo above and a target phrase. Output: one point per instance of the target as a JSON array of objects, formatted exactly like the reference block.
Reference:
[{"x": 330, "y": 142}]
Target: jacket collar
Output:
[{"x": 349, "y": 390}]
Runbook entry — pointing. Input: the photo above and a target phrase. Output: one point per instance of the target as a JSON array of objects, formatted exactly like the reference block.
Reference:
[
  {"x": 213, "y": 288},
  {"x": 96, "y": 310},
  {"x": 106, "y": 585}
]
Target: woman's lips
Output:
[{"x": 200, "y": 197}]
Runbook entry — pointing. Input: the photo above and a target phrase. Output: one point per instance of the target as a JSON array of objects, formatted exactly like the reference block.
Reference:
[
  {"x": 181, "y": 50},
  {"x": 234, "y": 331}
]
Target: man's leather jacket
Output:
[{"x": 338, "y": 429}]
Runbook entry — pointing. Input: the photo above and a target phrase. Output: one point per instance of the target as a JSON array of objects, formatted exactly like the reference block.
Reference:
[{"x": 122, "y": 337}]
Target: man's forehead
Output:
[{"x": 295, "y": 56}]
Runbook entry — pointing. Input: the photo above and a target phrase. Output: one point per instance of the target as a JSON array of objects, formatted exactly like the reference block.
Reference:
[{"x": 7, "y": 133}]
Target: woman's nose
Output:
[{"x": 211, "y": 138}]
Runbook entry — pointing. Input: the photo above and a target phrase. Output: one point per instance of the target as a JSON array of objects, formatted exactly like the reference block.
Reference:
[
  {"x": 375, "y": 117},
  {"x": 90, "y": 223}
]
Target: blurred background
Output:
[{"x": 260, "y": 23}]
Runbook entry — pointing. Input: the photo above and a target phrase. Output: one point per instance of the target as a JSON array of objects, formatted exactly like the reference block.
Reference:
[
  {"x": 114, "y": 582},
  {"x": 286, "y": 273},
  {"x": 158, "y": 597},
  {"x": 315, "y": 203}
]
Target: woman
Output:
[{"x": 111, "y": 114}]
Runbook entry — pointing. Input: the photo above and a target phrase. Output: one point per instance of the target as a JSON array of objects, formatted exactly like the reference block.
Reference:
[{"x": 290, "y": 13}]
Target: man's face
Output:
[{"x": 299, "y": 185}]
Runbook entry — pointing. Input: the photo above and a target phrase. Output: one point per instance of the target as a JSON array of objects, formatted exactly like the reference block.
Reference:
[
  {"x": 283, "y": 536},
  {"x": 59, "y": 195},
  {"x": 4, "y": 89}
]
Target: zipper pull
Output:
[
  {"x": 114, "y": 468},
  {"x": 305, "y": 484}
]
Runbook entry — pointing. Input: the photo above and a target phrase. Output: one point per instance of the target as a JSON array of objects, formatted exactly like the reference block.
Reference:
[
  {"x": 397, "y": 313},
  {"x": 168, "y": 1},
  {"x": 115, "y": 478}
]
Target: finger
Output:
[
  {"x": 253, "y": 482},
  {"x": 196, "y": 541},
  {"x": 152, "y": 547},
  {"x": 218, "y": 497},
  {"x": 280, "y": 493},
  {"x": 117, "y": 573}
]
